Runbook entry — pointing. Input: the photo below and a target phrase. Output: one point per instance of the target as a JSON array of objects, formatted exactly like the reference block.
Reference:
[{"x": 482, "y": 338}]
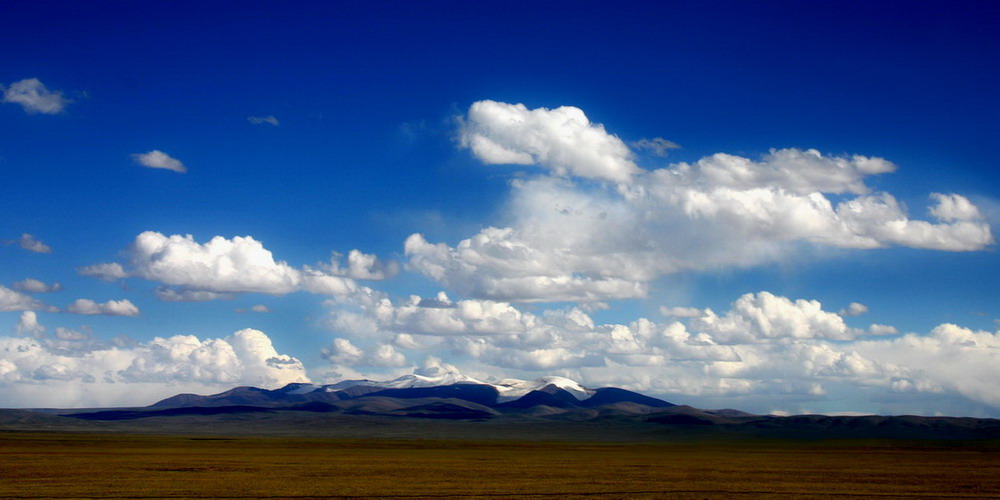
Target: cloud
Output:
[
  {"x": 562, "y": 140},
  {"x": 953, "y": 207},
  {"x": 259, "y": 308},
  {"x": 32, "y": 285},
  {"x": 122, "y": 307},
  {"x": 168, "y": 294},
  {"x": 107, "y": 271},
  {"x": 658, "y": 145},
  {"x": 568, "y": 239},
  {"x": 76, "y": 371},
  {"x": 191, "y": 271},
  {"x": 159, "y": 159},
  {"x": 950, "y": 358},
  {"x": 34, "y": 97},
  {"x": 764, "y": 348},
  {"x": 28, "y": 325},
  {"x": 342, "y": 352},
  {"x": 764, "y": 316},
  {"x": 29, "y": 243},
  {"x": 876, "y": 329},
  {"x": 221, "y": 265},
  {"x": 854, "y": 309},
  {"x": 260, "y": 120},
  {"x": 681, "y": 312},
  {"x": 14, "y": 301},
  {"x": 362, "y": 266}
]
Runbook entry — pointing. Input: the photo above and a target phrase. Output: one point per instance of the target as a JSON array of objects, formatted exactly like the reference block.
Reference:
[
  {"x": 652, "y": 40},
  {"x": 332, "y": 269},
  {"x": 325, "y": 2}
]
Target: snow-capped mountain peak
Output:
[{"x": 511, "y": 389}]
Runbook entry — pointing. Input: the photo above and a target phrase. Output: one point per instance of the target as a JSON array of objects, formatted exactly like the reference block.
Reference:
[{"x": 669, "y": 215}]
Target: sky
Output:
[{"x": 782, "y": 207}]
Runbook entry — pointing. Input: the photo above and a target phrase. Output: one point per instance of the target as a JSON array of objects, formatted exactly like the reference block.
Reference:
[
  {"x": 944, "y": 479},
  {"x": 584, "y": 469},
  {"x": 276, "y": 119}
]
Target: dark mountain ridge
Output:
[{"x": 548, "y": 410}]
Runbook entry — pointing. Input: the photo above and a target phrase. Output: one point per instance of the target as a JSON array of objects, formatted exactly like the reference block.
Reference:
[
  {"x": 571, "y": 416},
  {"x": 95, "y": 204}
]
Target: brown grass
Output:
[{"x": 50, "y": 465}]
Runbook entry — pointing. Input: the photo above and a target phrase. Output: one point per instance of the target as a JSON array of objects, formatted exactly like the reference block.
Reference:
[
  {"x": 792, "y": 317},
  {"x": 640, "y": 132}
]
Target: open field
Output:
[{"x": 67, "y": 465}]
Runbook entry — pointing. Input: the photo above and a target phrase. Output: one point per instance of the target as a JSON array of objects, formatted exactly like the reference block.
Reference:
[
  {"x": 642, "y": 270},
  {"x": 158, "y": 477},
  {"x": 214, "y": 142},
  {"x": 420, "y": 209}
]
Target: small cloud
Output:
[
  {"x": 106, "y": 271},
  {"x": 362, "y": 266},
  {"x": 658, "y": 145},
  {"x": 853, "y": 309},
  {"x": 32, "y": 285},
  {"x": 29, "y": 243},
  {"x": 876, "y": 329},
  {"x": 680, "y": 312},
  {"x": 29, "y": 326},
  {"x": 259, "y": 308},
  {"x": 159, "y": 159},
  {"x": 260, "y": 120},
  {"x": 34, "y": 97},
  {"x": 168, "y": 294},
  {"x": 122, "y": 307},
  {"x": 16, "y": 301}
]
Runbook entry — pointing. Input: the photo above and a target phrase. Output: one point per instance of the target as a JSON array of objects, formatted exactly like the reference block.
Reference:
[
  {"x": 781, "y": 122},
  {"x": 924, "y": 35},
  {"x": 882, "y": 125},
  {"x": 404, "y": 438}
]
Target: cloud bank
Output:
[
  {"x": 570, "y": 239},
  {"x": 72, "y": 368}
]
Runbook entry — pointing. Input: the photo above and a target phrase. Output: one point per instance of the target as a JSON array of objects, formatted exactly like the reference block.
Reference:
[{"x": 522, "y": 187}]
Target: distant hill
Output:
[
  {"x": 543, "y": 408},
  {"x": 557, "y": 392}
]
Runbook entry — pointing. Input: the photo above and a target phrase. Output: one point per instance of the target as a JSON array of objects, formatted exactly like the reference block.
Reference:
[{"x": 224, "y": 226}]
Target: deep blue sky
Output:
[{"x": 370, "y": 100}]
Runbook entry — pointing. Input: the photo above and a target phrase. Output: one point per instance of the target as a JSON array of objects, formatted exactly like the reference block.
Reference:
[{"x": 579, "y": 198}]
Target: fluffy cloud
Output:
[
  {"x": 764, "y": 349},
  {"x": 106, "y": 271},
  {"x": 952, "y": 207},
  {"x": 571, "y": 240},
  {"x": 28, "y": 325},
  {"x": 362, "y": 266},
  {"x": 122, "y": 307},
  {"x": 32, "y": 285},
  {"x": 260, "y": 120},
  {"x": 159, "y": 159},
  {"x": 15, "y": 301},
  {"x": 222, "y": 267},
  {"x": 343, "y": 353},
  {"x": 562, "y": 140},
  {"x": 854, "y": 309},
  {"x": 241, "y": 264},
  {"x": 29, "y": 243},
  {"x": 104, "y": 374},
  {"x": 765, "y": 316},
  {"x": 34, "y": 97},
  {"x": 950, "y": 358}
]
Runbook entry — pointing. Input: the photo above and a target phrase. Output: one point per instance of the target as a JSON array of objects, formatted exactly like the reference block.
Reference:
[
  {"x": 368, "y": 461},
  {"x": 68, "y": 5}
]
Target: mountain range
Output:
[{"x": 458, "y": 406}]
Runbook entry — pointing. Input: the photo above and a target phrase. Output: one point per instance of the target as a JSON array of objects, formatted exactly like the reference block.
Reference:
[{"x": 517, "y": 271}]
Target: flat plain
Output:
[{"x": 120, "y": 465}]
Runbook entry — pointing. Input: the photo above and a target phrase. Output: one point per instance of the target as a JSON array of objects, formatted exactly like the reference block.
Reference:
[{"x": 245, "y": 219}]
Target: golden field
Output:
[{"x": 65, "y": 465}]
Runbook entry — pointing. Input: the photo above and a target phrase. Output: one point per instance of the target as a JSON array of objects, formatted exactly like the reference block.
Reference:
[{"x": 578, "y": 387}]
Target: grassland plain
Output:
[{"x": 108, "y": 465}]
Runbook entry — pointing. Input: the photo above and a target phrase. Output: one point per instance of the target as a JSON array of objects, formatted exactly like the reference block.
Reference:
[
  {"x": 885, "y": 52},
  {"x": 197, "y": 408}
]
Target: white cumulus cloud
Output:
[
  {"x": 190, "y": 271},
  {"x": 35, "y": 97},
  {"x": 28, "y": 325},
  {"x": 29, "y": 243},
  {"x": 105, "y": 271},
  {"x": 16, "y": 301},
  {"x": 568, "y": 240},
  {"x": 72, "y": 370},
  {"x": 32, "y": 285},
  {"x": 122, "y": 307},
  {"x": 240, "y": 264},
  {"x": 563, "y": 140},
  {"x": 159, "y": 159}
]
